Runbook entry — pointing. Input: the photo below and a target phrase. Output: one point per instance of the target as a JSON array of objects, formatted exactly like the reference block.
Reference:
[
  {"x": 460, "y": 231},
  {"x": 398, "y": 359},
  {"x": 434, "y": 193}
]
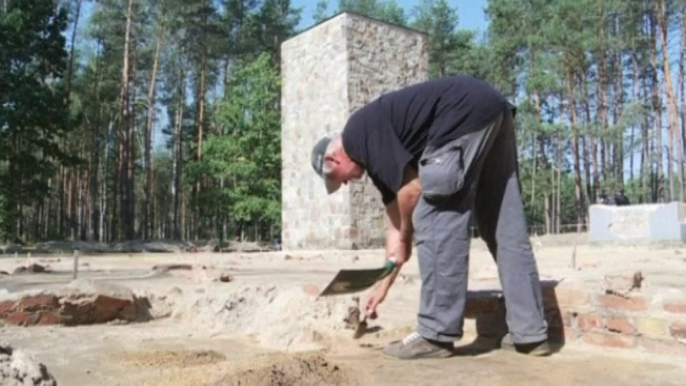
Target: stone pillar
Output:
[{"x": 328, "y": 72}]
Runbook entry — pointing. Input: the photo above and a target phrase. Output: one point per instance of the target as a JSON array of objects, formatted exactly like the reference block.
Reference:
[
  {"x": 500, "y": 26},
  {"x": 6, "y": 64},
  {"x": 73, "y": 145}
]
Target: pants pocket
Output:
[{"x": 441, "y": 170}]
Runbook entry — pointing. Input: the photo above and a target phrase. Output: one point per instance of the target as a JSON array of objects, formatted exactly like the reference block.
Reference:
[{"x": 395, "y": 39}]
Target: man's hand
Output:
[
  {"x": 379, "y": 295},
  {"x": 398, "y": 236}
]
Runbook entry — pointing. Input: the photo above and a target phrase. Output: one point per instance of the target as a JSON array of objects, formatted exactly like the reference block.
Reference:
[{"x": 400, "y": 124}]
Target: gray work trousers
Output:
[{"x": 475, "y": 174}]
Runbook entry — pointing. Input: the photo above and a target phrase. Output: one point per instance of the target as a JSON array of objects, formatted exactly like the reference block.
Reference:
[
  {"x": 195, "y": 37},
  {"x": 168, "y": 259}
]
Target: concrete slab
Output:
[{"x": 646, "y": 223}]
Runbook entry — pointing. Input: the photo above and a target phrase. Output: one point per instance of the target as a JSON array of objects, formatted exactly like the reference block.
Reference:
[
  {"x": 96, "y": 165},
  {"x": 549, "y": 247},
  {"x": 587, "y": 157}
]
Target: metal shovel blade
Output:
[{"x": 349, "y": 281}]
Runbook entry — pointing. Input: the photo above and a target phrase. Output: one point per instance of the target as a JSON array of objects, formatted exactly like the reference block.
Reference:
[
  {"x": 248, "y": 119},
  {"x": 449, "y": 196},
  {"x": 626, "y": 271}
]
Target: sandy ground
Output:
[{"x": 263, "y": 329}]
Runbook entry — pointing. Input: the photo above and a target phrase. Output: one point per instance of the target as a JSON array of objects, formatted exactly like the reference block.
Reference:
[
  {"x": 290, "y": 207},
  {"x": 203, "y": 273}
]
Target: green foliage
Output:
[
  {"x": 439, "y": 21},
  {"x": 272, "y": 24},
  {"x": 387, "y": 10},
  {"x": 34, "y": 113},
  {"x": 320, "y": 12},
  {"x": 247, "y": 157},
  {"x": 3, "y": 217},
  {"x": 219, "y": 66}
]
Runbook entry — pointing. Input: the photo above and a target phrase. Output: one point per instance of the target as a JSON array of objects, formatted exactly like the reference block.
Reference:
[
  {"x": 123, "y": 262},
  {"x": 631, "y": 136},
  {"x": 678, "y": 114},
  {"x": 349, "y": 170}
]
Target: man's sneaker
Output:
[
  {"x": 414, "y": 346},
  {"x": 540, "y": 349}
]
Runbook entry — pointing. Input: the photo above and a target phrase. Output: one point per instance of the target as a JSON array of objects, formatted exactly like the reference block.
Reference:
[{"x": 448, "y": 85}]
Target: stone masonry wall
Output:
[
  {"x": 328, "y": 72},
  {"x": 314, "y": 103},
  {"x": 382, "y": 58}
]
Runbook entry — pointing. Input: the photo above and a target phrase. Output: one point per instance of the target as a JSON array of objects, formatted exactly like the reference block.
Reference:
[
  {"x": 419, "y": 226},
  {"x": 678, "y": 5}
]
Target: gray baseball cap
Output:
[{"x": 318, "y": 153}]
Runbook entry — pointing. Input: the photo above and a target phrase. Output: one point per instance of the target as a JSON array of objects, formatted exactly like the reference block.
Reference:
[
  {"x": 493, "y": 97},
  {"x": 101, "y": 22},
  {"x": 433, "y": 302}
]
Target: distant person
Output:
[
  {"x": 617, "y": 199},
  {"x": 439, "y": 152}
]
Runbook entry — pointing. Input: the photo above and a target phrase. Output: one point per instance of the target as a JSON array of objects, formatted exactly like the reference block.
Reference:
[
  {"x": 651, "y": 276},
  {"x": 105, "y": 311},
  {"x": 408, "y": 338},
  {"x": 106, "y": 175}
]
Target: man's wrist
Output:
[{"x": 396, "y": 260}]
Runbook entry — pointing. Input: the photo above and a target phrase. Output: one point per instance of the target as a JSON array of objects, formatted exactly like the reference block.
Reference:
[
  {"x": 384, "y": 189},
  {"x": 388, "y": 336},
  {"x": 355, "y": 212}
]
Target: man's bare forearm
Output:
[{"x": 399, "y": 218}]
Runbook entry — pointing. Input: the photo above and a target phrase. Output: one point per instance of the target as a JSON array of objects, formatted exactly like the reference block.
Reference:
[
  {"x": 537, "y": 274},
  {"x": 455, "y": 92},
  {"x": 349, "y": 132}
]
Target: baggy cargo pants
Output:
[{"x": 475, "y": 174}]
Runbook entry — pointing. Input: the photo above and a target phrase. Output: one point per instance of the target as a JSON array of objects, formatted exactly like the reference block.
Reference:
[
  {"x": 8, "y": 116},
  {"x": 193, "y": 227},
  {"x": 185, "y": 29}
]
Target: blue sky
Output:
[{"x": 470, "y": 11}]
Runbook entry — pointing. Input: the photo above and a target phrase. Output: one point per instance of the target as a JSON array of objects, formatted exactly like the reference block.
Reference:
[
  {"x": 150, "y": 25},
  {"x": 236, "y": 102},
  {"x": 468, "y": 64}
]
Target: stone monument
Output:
[{"x": 329, "y": 71}]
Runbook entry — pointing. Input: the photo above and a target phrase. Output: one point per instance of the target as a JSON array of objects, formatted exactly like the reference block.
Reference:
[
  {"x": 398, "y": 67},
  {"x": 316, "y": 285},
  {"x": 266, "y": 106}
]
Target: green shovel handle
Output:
[{"x": 388, "y": 268}]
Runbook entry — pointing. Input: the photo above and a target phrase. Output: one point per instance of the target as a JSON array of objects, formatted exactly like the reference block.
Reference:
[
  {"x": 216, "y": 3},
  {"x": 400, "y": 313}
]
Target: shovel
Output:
[{"x": 349, "y": 281}]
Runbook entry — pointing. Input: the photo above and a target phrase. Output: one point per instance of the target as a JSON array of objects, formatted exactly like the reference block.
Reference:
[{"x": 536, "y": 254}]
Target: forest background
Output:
[{"x": 144, "y": 119}]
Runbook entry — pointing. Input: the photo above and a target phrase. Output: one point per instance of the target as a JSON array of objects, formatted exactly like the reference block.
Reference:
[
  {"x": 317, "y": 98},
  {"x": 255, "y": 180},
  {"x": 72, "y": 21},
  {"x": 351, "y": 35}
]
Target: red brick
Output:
[
  {"x": 614, "y": 302},
  {"x": 38, "y": 302},
  {"x": 49, "y": 318},
  {"x": 21, "y": 318},
  {"x": 608, "y": 340},
  {"x": 6, "y": 306},
  {"x": 567, "y": 318},
  {"x": 571, "y": 334},
  {"x": 590, "y": 322},
  {"x": 675, "y": 306},
  {"x": 621, "y": 325},
  {"x": 570, "y": 295},
  {"x": 678, "y": 330},
  {"x": 664, "y": 347}
]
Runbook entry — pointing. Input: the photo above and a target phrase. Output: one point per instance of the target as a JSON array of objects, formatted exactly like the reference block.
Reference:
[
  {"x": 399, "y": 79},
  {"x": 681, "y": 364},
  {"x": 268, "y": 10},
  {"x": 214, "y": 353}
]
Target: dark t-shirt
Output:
[{"x": 391, "y": 132}]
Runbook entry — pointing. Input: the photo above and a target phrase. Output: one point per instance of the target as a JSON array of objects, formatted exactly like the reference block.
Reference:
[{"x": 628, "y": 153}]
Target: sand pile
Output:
[
  {"x": 306, "y": 370},
  {"x": 17, "y": 368},
  {"x": 171, "y": 358},
  {"x": 284, "y": 318}
]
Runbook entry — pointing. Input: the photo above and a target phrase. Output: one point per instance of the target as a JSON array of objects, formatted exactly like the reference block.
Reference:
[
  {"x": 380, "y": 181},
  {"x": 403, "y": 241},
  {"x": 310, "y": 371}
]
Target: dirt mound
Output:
[
  {"x": 175, "y": 359},
  {"x": 11, "y": 248},
  {"x": 32, "y": 268},
  {"x": 92, "y": 247},
  {"x": 18, "y": 368},
  {"x": 310, "y": 370},
  {"x": 70, "y": 246},
  {"x": 283, "y": 318},
  {"x": 154, "y": 246}
]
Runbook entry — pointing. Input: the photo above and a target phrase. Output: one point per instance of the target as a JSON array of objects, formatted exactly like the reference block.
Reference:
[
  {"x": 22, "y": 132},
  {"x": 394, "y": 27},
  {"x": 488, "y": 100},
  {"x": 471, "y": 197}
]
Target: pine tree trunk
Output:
[
  {"x": 571, "y": 93},
  {"x": 618, "y": 108},
  {"x": 80, "y": 204},
  {"x": 60, "y": 205},
  {"x": 636, "y": 97},
  {"x": 588, "y": 137},
  {"x": 603, "y": 91},
  {"x": 544, "y": 164},
  {"x": 658, "y": 194},
  {"x": 533, "y": 176},
  {"x": 200, "y": 124},
  {"x": 673, "y": 119},
  {"x": 105, "y": 235},
  {"x": 682, "y": 101},
  {"x": 178, "y": 160},
  {"x": 558, "y": 199},
  {"x": 646, "y": 168},
  {"x": 537, "y": 119},
  {"x": 130, "y": 225},
  {"x": 70, "y": 69},
  {"x": 601, "y": 119},
  {"x": 148, "y": 199},
  {"x": 124, "y": 131},
  {"x": 95, "y": 157}
]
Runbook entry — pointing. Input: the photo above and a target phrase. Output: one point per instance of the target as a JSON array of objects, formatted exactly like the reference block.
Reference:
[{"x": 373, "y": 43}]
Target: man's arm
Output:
[
  {"x": 399, "y": 232},
  {"x": 400, "y": 229}
]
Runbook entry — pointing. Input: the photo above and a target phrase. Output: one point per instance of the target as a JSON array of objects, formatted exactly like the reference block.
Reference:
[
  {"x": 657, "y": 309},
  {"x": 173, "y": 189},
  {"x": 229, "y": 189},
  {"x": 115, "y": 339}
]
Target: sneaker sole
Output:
[
  {"x": 537, "y": 352},
  {"x": 438, "y": 355}
]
